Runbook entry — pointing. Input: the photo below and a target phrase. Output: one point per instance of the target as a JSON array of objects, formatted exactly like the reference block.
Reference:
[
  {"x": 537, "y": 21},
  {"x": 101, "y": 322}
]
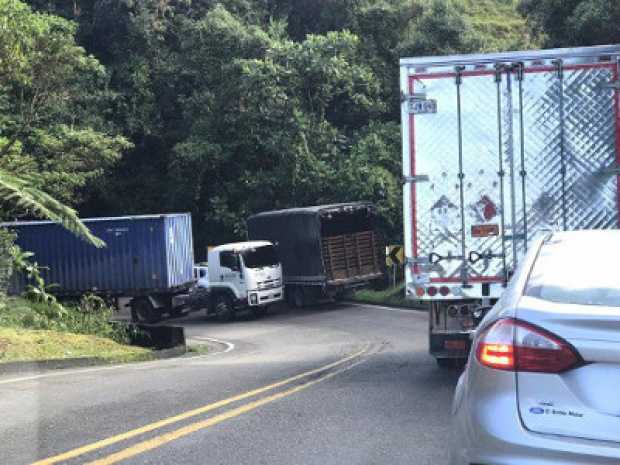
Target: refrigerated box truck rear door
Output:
[{"x": 506, "y": 146}]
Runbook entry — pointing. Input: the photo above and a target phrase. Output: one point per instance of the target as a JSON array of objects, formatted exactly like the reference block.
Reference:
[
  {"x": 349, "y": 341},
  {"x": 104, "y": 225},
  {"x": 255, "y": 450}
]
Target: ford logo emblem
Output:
[{"x": 537, "y": 410}]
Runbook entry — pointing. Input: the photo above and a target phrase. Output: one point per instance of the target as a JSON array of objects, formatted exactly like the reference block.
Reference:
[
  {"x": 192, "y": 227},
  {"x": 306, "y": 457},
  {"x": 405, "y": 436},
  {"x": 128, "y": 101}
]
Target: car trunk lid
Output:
[{"x": 581, "y": 402}]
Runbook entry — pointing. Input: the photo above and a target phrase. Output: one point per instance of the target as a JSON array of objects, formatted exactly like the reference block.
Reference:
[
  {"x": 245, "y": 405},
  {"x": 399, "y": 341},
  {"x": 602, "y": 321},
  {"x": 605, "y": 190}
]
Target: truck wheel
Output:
[
  {"x": 142, "y": 311},
  {"x": 223, "y": 308}
]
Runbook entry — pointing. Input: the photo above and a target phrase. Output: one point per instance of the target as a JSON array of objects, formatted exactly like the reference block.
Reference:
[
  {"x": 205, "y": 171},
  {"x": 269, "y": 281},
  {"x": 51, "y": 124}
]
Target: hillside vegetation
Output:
[
  {"x": 229, "y": 107},
  {"x": 500, "y": 23}
]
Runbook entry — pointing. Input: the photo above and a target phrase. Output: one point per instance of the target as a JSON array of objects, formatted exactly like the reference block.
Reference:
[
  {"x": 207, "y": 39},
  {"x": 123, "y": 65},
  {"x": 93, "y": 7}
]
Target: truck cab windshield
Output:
[{"x": 260, "y": 257}]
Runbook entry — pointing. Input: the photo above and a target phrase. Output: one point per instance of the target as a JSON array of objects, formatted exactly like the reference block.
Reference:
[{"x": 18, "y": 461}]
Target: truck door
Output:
[
  {"x": 457, "y": 197},
  {"x": 230, "y": 272},
  {"x": 483, "y": 181},
  {"x": 566, "y": 133}
]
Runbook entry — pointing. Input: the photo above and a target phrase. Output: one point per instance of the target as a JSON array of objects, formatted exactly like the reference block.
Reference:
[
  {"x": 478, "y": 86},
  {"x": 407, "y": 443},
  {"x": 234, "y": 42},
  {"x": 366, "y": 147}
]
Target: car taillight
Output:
[{"x": 515, "y": 345}]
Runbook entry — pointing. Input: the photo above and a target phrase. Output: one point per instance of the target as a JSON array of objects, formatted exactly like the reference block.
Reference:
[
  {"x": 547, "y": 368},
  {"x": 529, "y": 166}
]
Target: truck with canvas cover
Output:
[
  {"x": 325, "y": 250},
  {"x": 496, "y": 149}
]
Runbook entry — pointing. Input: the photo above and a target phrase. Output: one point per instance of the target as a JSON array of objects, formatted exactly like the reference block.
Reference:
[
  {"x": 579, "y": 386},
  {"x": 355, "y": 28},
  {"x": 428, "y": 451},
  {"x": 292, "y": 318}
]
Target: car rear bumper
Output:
[{"x": 487, "y": 429}]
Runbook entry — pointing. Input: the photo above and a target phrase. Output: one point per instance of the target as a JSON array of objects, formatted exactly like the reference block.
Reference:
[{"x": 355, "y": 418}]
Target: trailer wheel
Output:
[
  {"x": 223, "y": 308},
  {"x": 142, "y": 311}
]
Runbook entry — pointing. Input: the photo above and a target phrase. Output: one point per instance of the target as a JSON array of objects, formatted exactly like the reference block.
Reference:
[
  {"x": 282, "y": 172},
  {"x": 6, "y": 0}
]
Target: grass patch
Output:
[
  {"x": 499, "y": 22},
  {"x": 198, "y": 349},
  {"x": 19, "y": 344},
  {"x": 394, "y": 296},
  {"x": 32, "y": 331},
  {"x": 80, "y": 318}
]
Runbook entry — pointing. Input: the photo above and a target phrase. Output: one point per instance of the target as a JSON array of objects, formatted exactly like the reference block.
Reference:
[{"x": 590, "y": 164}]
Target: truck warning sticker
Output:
[
  {"x": 484, "y": 209},
  {"x": 484, "y": 230}
]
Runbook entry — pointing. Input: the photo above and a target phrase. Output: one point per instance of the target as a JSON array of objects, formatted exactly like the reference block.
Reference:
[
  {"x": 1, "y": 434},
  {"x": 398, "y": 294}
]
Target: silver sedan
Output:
[{"x": 542, "y": 383}]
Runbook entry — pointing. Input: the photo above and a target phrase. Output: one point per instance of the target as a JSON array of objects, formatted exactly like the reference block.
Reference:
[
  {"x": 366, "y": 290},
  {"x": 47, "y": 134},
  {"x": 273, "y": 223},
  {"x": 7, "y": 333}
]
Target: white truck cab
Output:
[{"x": 242, "y": 275}]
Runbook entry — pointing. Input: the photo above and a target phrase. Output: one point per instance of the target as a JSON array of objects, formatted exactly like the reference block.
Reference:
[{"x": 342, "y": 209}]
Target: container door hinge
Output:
[
  {"x": 414, "y": 179},
  {"x": 499, "y": 69},
  {"x": 458, "y": 74},
  {"x": 559, "y": 68},
  {"x": 518, "y": 70}
]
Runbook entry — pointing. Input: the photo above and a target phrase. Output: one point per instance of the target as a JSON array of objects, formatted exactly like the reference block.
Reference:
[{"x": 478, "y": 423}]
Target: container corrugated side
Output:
[
  {"x": 135, "y": 259},
  {"x": 179, "y": 250}
]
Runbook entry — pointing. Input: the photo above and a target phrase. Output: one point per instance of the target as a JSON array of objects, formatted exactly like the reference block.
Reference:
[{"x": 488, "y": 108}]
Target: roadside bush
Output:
[
  {"x": 40, "y": 309},
  {"x": 91, "y": 315}
]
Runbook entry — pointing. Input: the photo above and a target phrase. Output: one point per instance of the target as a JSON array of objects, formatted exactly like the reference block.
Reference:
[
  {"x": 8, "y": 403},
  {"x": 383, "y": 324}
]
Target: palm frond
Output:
[{"x": 20, "y": 193}]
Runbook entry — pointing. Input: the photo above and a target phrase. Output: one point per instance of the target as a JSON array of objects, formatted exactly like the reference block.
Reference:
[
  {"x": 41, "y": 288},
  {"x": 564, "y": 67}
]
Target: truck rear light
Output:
[
  {"x": 515, "y": 345},
  {"x": 444, "y": 290},
  {"x": 431, "y": 291},
  {"x": 419, "y": 291}
]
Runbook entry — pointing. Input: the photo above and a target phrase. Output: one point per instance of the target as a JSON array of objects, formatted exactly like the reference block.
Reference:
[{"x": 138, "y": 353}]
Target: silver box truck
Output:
[{"x": 497, "y": 148}]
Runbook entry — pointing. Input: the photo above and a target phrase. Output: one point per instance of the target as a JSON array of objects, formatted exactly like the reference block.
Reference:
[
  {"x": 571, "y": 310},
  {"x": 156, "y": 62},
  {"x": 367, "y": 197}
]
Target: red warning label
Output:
[{"x": 484, "y": 230}]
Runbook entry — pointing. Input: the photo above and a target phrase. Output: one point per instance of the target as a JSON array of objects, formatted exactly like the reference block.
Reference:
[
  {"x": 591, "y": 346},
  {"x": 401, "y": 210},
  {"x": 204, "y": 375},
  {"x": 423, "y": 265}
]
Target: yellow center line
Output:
[
  {"x": 174, "y": 419},
  {"x": 165, "y": 438}
]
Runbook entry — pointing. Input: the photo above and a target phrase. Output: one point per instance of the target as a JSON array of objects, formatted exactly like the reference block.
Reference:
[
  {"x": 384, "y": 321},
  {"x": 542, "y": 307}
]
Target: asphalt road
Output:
[{"x": 337, "y": 384}]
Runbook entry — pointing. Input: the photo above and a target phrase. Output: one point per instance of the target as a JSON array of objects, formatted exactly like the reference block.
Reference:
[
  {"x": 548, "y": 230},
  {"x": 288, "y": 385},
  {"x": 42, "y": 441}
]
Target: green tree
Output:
[
  {"x": 237, "y": 106},
  {"x": 270, "y": 118},
  {"x": 49, "y": 147},
  {"x": 53, "y": 96},
  {"x": 574, "y": 22}
]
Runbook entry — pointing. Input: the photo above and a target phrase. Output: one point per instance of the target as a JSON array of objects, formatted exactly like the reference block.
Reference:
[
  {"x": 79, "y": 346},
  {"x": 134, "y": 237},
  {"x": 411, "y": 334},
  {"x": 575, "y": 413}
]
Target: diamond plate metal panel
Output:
[
  {"x": 591, "y": 189},
  {"x": 437, "y": 209},
  {"x": 542, "y": 160},
  {"x": 483, "y": 205},
  {"x": 556, "y": 141}
]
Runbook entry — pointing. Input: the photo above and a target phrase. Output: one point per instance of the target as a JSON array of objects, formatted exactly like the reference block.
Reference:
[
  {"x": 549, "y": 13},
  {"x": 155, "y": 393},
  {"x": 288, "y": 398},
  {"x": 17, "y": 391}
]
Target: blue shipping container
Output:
[{"x": 143, "y": 254}]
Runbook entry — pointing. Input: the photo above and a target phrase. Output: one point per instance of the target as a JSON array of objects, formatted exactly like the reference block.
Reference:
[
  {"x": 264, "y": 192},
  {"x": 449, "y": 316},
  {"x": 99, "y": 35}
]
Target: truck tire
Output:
[
  {"x": 223, "y": 308},
  {"x": 142, "y": 311}
]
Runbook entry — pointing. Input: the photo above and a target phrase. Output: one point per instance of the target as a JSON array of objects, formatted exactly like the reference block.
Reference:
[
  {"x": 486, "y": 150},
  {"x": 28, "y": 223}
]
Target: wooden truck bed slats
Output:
[{"x": 351, "y": 255}]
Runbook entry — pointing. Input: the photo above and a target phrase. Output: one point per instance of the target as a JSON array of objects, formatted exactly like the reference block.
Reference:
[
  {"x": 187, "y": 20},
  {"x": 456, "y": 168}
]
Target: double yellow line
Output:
[{"x": 165, "y": 438}]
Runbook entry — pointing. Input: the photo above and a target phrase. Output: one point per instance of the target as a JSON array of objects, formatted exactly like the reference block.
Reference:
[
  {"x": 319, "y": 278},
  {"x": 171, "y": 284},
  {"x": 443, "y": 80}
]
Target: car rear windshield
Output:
[
  {"x": 578, "y": 269},
  {"x": 260, "y": 256}
]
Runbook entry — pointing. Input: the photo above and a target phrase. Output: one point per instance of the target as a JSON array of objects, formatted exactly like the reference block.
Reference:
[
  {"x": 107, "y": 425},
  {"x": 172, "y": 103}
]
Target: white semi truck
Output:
[
  {"x": 241, "y": 276},
  {"x": 496, "y": 149}
]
